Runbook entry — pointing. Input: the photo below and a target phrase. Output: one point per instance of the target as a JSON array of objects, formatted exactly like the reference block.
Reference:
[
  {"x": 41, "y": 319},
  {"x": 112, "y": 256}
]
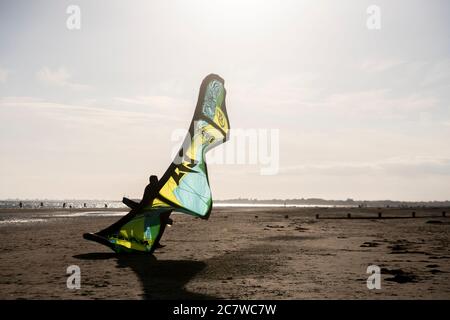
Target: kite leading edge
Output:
[{"x": 184, "y": 187}]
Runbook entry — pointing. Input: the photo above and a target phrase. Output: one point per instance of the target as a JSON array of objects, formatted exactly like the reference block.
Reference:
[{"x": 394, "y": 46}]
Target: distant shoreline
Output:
[
  {"x": 338, "y": 203},
  {"x": 305, "y": 203}
]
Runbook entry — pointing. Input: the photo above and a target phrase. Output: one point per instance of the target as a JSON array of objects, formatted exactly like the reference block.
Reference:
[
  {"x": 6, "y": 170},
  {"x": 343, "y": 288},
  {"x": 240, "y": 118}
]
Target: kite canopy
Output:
[{"x": 184, "y": 187}]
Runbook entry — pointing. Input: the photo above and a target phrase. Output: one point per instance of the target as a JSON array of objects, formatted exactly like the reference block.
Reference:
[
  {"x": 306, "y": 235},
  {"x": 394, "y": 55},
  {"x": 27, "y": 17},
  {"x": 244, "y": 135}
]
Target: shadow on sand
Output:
[{"x": 160, "y": 279}]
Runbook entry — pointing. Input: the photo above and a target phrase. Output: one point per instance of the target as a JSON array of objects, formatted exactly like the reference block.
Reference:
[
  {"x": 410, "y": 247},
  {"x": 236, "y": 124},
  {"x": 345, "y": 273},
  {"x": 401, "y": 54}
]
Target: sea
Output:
[
  {"x": 66, "y": 209},
  {"x": 98, "y": 204}
]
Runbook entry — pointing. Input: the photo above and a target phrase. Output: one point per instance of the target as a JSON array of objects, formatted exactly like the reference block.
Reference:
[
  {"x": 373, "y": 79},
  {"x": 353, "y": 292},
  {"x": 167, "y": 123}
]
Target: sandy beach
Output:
[{"x": 239, "y": 253}]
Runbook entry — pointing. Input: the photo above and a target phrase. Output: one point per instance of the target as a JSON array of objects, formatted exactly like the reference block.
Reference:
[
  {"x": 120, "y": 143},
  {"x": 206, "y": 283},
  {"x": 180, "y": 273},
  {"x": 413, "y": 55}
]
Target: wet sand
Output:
[{"x": 239, "y": 253}]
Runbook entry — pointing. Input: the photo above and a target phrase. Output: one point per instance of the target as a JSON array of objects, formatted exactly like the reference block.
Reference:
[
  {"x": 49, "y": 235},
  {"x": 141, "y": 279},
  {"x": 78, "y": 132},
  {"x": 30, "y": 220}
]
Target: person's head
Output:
[{"x": 153, "y": 179}]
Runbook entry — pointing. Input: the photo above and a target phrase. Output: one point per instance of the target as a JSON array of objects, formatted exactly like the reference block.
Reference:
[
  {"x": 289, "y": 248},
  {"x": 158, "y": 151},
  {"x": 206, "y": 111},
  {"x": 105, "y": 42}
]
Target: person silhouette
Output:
[{"x": 150, "y": 191}]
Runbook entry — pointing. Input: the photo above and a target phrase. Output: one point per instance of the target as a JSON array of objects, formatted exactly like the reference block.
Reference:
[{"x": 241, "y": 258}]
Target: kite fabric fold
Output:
[{"x": 184, "y": 187}]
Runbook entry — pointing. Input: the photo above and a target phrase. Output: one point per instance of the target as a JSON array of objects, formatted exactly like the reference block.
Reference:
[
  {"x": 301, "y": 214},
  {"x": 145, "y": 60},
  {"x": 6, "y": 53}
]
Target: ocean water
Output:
[
  {"x": 58, "y": 204},
  {"x": 18, "y": 217},
  {"x": 98, "y": 204},
  {"x": 15, "y": 218}
]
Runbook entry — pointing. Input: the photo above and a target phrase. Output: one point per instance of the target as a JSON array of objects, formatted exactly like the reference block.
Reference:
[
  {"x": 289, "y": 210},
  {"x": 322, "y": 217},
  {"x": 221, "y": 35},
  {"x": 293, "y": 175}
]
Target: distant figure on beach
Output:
[
  {"x": 64, "y": 205},
  {"x": 20, "y": 204},
  {"x": 42, "y": 204},
  {"x": 84, "y": 205},
  {"x": 106, "y": 205}
]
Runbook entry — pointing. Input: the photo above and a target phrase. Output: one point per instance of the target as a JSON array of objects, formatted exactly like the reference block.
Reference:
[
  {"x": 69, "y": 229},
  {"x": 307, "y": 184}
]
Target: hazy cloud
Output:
[
  {"x": 159, "y": 102},
  {"x": 59, "y": 78},
  {"x": 380, "y": 103},
  {"x": 379, "y": 65},
  {"x": 438, "y": 74},
  {"x": 3, "y": 75},
  {"x": 81, "y": 113},
  {"x": 400, "y": 166}
]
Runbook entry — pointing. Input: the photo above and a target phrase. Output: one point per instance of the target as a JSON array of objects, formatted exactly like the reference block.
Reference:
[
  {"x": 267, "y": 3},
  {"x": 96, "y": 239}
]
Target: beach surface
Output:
[{"x": 239, "y": 253}]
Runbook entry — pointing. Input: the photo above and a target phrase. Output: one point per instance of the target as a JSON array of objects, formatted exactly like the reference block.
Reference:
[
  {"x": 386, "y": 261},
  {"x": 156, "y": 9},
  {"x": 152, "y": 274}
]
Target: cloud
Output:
[
  {"x": 401, "y": 166},
  {"x": 379, "y": 65},
  {"x": 292, "y": 98},
  {"x": 157, "y": 101},
  {"x": 379, "y": 103},
  {"x": 275, "y": 96},
  {"x": 80, "y": 112},
  {"x": 437, "y": 74},
  {"x": 3, "y": 75},
  {"x": 58, "y": 78}
]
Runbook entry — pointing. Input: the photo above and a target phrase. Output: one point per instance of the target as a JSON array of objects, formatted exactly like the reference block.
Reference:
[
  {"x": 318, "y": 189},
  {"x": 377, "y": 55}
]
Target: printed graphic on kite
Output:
[{"x": 184, "y": 187}]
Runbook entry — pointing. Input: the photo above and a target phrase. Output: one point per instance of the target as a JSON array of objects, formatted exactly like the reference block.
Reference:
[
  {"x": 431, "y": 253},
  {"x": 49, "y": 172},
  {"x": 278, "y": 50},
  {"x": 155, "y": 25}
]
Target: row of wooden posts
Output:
[{"x": 380, "y": 216}]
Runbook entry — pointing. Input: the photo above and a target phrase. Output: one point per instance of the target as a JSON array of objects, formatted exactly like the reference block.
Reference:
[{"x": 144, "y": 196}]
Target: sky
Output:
[{"x": 355, "y": 112}]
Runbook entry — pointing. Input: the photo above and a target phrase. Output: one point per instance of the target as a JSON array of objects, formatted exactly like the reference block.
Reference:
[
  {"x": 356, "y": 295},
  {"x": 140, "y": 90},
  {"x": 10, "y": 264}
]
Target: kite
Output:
[{"x": 184, "y": 187}]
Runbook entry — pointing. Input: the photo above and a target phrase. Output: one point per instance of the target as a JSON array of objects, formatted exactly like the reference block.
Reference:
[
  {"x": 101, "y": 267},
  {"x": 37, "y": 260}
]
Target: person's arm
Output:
[{"x": 130, "y": 203}]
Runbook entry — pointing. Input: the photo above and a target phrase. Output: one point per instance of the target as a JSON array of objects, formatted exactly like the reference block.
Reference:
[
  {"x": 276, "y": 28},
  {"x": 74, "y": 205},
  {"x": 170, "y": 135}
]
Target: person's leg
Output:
[{"x": 164, "y": 220}]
